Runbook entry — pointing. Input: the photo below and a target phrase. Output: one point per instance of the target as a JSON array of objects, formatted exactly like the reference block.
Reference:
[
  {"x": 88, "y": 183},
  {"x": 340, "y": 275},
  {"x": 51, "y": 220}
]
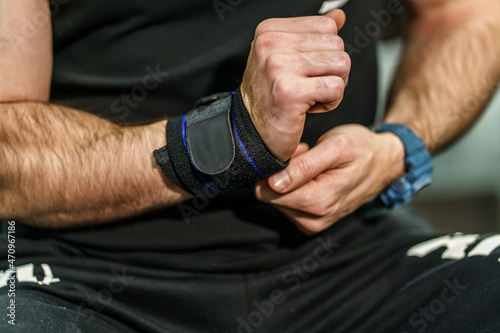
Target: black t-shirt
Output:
[{"x": 137, "y": 61}]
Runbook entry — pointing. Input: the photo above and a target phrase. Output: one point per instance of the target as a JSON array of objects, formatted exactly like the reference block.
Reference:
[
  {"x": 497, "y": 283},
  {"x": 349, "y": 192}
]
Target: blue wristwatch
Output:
[{"x": 418, "y": 169}]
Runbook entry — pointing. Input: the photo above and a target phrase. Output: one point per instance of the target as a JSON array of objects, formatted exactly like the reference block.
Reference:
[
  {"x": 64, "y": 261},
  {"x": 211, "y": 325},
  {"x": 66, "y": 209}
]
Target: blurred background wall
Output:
[{"x": 465, "y": 194}]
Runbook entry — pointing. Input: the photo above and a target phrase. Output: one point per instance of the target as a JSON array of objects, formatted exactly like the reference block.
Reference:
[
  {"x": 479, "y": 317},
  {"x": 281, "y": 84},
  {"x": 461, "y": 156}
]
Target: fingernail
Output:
[{"x": 281, "y": 181}]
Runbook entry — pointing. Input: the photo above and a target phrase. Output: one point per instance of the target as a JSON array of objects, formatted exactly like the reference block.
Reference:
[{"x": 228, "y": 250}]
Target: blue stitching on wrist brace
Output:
[{"x": 263, "y": 175}]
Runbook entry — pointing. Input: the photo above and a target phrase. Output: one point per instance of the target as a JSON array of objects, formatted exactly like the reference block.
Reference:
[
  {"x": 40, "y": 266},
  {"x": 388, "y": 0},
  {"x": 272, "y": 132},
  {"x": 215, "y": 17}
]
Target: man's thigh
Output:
[
  {"x": 364, "y": 276},
  {"x": 36, "y": 311},
  {"x": 406, "y": 284},
  {"x": 57, "y": 286}
]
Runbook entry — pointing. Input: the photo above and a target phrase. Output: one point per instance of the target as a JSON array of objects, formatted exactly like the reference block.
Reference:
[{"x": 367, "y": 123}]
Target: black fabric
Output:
[
  {"x": 257, "y": 149},
  {"x": 181, "y": 174},
  {"x": 221, "y": 131},
  {"x": 162, "y": 158},
  {"x": 356, "y": 277}
]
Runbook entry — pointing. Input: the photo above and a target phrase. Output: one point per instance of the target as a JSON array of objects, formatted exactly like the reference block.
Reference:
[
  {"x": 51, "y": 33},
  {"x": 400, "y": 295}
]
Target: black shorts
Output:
[{"x": 384, "y": 274}]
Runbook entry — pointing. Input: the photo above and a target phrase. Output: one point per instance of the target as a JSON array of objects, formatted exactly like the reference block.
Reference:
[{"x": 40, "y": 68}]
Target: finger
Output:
[
  {"x": 307, "y": 223},
  {"x": 323, "y": 63},
  {"x": 321, "y": 24},
  {"x": 310, "y": 64},
  {"x": 304, "y": 168},
  {"x": 339, "y": 16},
  {"x": 310, "y": 199},
  {"x": 301, "y": 149},
  {"x": 300, "y": 199},
  {"x": 324, "y": 107},
  {"x": 276, "y": 41},
  {"x": 327, "y": 90},
  {"x": 302, "y": 93}
]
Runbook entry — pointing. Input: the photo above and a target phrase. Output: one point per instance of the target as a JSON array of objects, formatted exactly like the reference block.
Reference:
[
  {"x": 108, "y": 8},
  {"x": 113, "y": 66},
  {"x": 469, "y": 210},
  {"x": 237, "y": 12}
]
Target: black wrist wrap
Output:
[{"x": 215, "y": 147}]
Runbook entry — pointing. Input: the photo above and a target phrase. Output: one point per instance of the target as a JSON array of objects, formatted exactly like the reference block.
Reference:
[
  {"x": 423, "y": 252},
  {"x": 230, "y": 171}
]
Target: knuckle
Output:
[
  {"x": 357, "y": 171},
  {"x": 342, "y": 143},
  {"x": 314, "y": 227},
  {"x": 305, "y": 168},
  {"x": 265, "y": 41},
  {"x": 338, "y": 43},
  {"x": 259, "y": 195},
  {"x": 334, "y": 105},
  {"x": 345, "y": 59},
  {"x": 284, "y": 90},
  {"x": 336, "y": 86},
  {"x": 319, "y": 210},
  {"x": 275, "y": 63},
  {"x": 327, "y": 24}
]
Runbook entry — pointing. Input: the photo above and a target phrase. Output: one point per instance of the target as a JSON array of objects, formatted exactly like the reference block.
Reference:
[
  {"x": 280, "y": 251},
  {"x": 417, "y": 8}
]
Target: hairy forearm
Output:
[
  {"x": 63, "y": 167},
  {"x": 448, "y": 74}
]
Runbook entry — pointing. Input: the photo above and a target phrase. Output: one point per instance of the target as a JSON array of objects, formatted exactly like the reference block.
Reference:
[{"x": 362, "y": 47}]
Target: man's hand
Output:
[
  {"x": 295, "y": 66},
  {"x": 349, "y": 166}
]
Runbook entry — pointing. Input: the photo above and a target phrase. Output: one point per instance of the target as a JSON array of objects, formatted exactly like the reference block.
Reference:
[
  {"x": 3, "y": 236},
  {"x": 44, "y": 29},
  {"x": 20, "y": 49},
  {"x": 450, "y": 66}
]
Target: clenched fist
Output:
[{"x": 295, "y": 66}]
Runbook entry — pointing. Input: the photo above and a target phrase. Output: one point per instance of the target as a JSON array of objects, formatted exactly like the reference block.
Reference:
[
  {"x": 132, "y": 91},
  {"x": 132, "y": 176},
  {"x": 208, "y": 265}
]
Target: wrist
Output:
[
  {"x": 417, "y": 163},
  {"x": 394, "y": 156},
  {"x": 215, "y": 147},
  {"x": 148, "y": 138}
]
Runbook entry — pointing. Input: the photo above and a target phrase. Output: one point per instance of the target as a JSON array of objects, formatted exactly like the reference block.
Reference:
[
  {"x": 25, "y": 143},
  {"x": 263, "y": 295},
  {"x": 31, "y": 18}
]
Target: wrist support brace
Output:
[{"x": 215, "y": 147}]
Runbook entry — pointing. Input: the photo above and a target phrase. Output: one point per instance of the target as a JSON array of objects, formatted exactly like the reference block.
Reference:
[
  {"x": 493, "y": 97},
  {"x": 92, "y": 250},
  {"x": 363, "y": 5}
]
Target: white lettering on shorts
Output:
[
  {"x": 25, "y": 274},
  {"x": 456, "y": 246}
]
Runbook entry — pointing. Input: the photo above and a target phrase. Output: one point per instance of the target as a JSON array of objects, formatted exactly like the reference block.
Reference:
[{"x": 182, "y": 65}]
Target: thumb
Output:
[
  {"x": 339, "y": 16},
  {"x": 302, "y": 169}
]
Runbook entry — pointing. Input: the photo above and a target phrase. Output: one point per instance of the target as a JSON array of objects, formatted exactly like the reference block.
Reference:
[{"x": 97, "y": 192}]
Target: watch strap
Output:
[{"x": 418, "y": 168}]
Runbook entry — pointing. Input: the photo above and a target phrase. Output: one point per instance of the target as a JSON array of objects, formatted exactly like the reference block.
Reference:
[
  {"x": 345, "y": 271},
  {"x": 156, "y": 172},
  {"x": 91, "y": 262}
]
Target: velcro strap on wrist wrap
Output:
[{"x": 215, "y": 147}]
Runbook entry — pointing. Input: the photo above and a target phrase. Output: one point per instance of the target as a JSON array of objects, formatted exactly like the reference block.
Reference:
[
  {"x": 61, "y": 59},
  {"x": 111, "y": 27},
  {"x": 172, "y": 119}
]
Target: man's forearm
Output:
[
  {"x": 448, "y": 73},
  {"x": 61, "y": 167}
]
